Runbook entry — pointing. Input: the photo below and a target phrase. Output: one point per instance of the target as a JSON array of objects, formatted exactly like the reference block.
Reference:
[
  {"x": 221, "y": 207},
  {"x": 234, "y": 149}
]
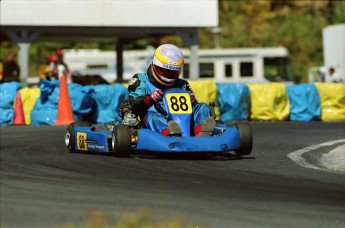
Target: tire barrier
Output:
[
  {"x": 304, "y": 102},
  {"x": 332, "y": 101},
  {"x": 46, "y": 106},
  {"x": 269, "y": 102},
  {"x": 8, "y": 92},
  {"x": 206, "y": 91},
  {"x": 108, "y": 99},
  {"x": 89, "y": 103},
  {"x": 234, "y": 101},
  {"x": 29, "y": 97}
]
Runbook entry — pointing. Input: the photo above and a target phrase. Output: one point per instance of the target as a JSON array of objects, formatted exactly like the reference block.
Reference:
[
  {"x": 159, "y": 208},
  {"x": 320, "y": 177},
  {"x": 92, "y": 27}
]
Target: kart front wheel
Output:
[
  {"x": 70, "y": 136},
  {"x": 121, "y": 140},
  {"x": 246, "y": 138}
]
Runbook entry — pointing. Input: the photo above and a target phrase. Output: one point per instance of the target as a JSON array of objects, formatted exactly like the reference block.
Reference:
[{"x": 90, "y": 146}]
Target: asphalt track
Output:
[{"x": 42, "y": 185}]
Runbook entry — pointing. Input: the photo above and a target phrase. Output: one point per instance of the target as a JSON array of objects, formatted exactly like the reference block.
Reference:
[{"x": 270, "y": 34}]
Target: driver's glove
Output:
[{"x": 156, "y": 96}]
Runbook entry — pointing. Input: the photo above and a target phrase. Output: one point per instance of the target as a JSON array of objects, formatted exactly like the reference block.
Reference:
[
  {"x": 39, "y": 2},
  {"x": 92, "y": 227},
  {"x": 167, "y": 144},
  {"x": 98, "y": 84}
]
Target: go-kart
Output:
[{"x": 122, "y": 139}]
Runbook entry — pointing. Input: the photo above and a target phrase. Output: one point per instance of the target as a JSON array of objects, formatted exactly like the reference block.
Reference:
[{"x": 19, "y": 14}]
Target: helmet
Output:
[{"x": 167, "y": 64}]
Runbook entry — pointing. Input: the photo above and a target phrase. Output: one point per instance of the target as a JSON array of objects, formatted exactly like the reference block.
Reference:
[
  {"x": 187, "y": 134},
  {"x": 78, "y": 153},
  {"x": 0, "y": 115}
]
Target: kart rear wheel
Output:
[
  {"x": 70, "y": 136},
  {"x": 121, "y": 141},
  {"x": 246, "y": 138}
]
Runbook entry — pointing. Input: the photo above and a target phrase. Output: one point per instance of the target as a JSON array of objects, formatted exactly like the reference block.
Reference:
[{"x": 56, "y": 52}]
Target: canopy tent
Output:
[{"x": 26, "y": 21}]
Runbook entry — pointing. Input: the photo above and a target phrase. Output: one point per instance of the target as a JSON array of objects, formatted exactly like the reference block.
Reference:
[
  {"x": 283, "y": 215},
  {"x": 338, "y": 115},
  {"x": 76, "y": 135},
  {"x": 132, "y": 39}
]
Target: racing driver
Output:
[{"x": 146, "y": 91}]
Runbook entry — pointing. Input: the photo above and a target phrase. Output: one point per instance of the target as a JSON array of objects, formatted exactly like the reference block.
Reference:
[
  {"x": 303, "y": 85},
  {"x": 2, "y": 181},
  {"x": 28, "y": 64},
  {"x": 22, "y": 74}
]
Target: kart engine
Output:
[{"x": 130, "y": 119}]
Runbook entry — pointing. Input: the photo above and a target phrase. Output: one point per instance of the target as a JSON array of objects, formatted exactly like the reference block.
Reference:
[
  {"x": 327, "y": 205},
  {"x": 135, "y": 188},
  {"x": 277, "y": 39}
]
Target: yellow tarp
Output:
[
  {"x": 332, "y": 101},
  {"x": 29, "y": 97},
  {"x": 269, "y": 102},
  {"x": 206, "y": 91}
]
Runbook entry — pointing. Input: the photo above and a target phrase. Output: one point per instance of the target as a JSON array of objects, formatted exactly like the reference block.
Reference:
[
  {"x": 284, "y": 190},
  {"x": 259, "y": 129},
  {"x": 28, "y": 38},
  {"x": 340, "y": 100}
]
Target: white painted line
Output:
[
  {"x": 335, "y": 159},
  {"x": 297, "y": 155}
]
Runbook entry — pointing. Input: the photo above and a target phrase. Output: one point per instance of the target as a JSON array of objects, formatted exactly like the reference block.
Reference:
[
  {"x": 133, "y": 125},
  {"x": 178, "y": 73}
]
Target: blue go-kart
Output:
[{"x": 122, "y": 139}]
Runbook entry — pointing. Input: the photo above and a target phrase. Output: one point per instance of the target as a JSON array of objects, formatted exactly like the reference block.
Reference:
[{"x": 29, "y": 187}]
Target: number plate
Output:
[
  {"x": 81, "y": 140},
  {"x": 179, "y": 103}
]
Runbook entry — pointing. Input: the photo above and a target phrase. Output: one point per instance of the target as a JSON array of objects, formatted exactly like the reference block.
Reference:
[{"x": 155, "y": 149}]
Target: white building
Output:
[{"x": 252, "y": 65}]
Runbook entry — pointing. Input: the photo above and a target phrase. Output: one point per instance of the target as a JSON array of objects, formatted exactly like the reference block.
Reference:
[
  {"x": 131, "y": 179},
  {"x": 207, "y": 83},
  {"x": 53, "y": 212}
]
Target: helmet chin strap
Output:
[{"x": 157, "y": 78}]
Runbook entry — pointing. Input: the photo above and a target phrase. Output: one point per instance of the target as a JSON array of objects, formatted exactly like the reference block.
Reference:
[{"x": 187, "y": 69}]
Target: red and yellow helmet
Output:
[{"x": 167, "y": 64}]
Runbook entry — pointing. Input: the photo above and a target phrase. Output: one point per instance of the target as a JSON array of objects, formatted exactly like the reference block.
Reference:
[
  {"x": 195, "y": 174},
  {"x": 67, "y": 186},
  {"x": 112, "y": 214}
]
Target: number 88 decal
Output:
[{"x": 179, "y": 103}]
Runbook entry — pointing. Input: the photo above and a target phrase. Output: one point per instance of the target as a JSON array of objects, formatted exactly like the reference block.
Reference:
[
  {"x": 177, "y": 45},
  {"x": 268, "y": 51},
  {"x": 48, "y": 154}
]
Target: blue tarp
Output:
[
  {"x": 8, "y": 92},
  {"x": 234, "y": 101},
  {"x": 45, "y": 110},
  {"x": 6, "y": 116},
  {"x": 108, "y": 100},
  {"x": 304, "y": 102},
  {"x": 89, "y": 103},
  {"x": 82, "y": 101}
]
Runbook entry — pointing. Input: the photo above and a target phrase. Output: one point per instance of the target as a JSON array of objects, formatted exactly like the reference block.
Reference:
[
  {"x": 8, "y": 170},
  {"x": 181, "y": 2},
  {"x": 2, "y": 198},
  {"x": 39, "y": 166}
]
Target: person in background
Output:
[
  {"x": 146, "y": 91},
  {"x": 55, "y": 67},
  {"x": 61, "y": 65},
  {"x": 332, "y": 76},
  {"x": 51, "y": 69},
  {"x": 322, "y": 74},
  {"x": 11, "y": 70}
]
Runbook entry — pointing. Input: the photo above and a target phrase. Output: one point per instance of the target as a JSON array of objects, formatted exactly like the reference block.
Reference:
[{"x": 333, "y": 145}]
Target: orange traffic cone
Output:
[
  {"x": 18, "y": 118},
  {"x": 65, "y": 113}
]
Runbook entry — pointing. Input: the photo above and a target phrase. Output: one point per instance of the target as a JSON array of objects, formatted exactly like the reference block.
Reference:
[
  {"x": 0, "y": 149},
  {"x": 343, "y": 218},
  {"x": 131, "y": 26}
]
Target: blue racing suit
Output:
[{"x": 140, "y": 89}]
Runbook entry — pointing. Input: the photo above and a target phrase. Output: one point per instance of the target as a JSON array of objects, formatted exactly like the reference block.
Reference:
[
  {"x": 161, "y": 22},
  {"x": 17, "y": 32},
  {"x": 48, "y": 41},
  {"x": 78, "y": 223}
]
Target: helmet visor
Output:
[{"x": 166, "y": 73}]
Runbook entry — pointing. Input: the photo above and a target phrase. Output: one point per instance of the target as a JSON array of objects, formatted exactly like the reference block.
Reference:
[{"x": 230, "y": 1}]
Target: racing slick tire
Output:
[
  {"x": 70, "y": 136},
  {"x": 246, "y": 138},
  {"x": 121, "y": 140}
]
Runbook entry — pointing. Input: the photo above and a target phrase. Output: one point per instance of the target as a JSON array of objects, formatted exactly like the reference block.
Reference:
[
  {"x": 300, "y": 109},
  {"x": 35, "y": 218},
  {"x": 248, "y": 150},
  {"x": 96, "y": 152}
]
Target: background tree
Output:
[{"x": 296, "y": 25}]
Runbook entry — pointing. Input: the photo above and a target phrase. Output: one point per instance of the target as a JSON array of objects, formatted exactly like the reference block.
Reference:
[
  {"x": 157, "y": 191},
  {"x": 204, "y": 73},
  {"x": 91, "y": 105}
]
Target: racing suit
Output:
[{"x": 140, "y": 89}]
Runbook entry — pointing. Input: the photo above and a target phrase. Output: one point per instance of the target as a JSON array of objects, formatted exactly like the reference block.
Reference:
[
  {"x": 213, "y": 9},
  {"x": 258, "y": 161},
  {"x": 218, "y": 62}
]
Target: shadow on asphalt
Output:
[
  {"x": 174, "y": 156},
  {"x": 190, "y": 156}
]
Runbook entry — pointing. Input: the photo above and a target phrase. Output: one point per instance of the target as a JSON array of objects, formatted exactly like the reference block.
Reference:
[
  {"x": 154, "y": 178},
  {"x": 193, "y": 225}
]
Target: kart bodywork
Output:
[{"x": 128, "y": 136}]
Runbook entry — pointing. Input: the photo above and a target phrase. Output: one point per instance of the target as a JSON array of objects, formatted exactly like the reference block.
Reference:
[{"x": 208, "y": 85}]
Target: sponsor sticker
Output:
[
  {"x": 171, "y": 67},
  {"x": 95, "y": 146}
]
